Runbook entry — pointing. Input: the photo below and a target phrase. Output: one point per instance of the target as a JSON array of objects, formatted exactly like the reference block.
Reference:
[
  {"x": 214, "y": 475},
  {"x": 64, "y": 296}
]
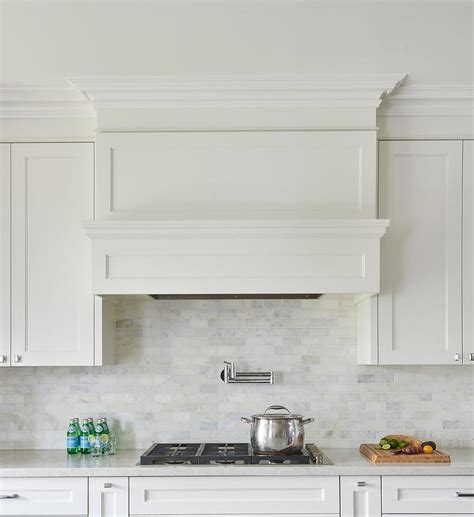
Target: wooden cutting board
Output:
[{"x": 377, "y": 455}]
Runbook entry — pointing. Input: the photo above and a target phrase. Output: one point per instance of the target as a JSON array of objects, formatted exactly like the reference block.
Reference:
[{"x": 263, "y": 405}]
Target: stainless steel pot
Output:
[{"x": 272, "y": 433}]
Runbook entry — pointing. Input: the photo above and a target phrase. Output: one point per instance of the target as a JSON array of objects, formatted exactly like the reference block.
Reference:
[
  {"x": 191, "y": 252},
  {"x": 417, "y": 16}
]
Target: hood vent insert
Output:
[{"x": 298, "y": 296}]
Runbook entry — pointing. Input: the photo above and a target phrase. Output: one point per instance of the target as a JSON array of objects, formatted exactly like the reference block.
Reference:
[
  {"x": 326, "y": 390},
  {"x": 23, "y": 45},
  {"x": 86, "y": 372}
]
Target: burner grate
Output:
[
  {"x": 299, "y": 458},
  {"x": 226, "y": 454},
  {"x": 226, "y": 449},
  {"x": 172, "y": 454}
]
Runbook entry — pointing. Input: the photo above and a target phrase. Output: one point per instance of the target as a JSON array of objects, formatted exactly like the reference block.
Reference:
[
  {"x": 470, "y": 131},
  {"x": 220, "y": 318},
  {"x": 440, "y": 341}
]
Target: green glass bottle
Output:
[
  {"x": 78, "y": 427},
  {"x": 105, "y": 426},
  {"x": 103, "y": 435},
  {"x": 90, "y": 423},
  {"x": 72, "y": 441},
  {"x": 85, "y": 441}
]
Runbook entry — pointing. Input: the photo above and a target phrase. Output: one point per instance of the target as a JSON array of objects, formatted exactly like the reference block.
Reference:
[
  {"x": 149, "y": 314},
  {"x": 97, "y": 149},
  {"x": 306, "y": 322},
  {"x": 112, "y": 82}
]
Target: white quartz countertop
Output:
[{"x": 347, "y": 462}]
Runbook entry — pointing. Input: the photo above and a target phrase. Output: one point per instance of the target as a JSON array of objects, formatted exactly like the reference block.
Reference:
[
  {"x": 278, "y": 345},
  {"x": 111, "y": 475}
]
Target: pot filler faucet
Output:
[{"x": 230, "y": 376}]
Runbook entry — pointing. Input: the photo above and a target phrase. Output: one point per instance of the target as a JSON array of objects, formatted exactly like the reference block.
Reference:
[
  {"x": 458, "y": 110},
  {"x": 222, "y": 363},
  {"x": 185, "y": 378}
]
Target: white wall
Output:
[{"x": 46, "y": 40}]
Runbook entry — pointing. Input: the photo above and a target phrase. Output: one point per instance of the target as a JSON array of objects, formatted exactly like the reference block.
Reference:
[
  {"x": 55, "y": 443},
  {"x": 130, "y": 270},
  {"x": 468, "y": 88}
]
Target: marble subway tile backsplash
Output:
[{"x": 166, "y": 384}]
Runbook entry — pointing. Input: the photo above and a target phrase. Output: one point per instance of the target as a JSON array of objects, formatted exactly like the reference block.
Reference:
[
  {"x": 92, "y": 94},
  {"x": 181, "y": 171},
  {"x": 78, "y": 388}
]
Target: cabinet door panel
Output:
[
  {"x": 468, "y": 252},
  {"x": 427, "y": 494},
  {"x": 52, "y": 305},
  {"x": 43, "y": 496},
  {"x": 243, "y": 495},
  {"x": 236, "y": 174},
  {"x": 4, "y": 254},
  {"x": 360, "y": 496},
  {"x": 420, "y": 300},
  {"x": 108, "y": 497}
]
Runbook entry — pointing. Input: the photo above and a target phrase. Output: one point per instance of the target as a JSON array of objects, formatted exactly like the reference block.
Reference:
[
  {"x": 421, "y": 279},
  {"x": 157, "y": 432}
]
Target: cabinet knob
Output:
[
  {"x": 17, "y": 358},
  {"x": 471, "y": 356},
  {"x": 3, "y": 358},
  {"x": 361, "y": 483},
  {"x": 457, "y": 357},
  {"x": 107, "y": 485}
]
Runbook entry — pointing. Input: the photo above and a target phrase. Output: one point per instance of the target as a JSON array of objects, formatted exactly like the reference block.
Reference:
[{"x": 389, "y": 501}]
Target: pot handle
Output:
[
  {"x": 246, "y": 420},
  {"x": 277, "y": 407},
  {"x": 307, "y": 421}
]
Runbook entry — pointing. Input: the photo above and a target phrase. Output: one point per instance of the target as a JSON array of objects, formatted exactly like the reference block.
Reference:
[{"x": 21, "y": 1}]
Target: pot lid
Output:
[{"x": 267, "y": 415}]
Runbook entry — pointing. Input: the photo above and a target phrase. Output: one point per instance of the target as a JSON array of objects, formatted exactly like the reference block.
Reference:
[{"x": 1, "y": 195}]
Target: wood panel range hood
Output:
[{"x": 234, "y": 187}]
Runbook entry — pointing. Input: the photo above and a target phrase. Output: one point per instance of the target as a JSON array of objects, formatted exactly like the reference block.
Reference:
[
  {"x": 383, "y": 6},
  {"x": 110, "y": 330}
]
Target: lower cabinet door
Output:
[
  {"x": 108, "y": 497},
  {"x": 236, "y": 495},
  {"x": 43, "y": 496},
  {"x": 428, "y": 494},
  {"x": 361, "y": 496}
]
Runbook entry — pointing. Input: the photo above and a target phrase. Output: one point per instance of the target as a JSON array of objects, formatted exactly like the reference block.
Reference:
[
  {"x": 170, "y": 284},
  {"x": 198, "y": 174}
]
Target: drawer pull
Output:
[
  {"x": 11, "y": 496},
  {"x": 360, "y": 483},
  {"x": 107, "y": 485},
  {"x": 465, "y": 494}
]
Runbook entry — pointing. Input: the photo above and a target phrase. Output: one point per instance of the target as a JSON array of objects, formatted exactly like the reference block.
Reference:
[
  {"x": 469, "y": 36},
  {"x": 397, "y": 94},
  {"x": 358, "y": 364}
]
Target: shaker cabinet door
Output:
[
  {"x": 420, "y": 302},
  {"x": 361, "y": 496},
  {"x": 4, "y": 254},
  {"x": 108, "y": 497},
  {"x": 468, "y": 252},
  {"x": 52, "y": 305}
]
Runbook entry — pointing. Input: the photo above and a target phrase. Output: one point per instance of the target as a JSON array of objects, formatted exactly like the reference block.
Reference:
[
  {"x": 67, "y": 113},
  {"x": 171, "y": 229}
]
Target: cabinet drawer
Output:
[
  {"x": 43, "y": 496},
  {"x": 427, "y": 494},
  {"x": 244, "y": 495}
]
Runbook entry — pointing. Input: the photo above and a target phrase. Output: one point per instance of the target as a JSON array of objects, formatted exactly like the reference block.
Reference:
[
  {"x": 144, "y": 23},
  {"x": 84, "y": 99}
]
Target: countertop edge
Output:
[{"x": 347, "y": 462}]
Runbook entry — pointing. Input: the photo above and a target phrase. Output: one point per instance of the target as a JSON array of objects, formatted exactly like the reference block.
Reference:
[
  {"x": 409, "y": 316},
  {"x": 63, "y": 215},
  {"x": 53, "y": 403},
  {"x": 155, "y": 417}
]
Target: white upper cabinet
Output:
[
  {"x": 468, "y": 252},
  {"x": 52, "y": 193},
  {"x": 420, "y": 303},
  {"x": 236, "y": 175},
  {"x": 4, "y": 254}
]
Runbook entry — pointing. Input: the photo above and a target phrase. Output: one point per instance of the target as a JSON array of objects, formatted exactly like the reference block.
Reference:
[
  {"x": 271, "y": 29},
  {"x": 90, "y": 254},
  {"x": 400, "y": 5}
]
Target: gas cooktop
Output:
[{"x": 226, "y": 454}]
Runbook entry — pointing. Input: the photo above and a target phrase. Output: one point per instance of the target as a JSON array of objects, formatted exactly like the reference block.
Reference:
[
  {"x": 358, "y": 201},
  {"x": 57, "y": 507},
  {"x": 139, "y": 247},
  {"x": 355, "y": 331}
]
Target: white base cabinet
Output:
[
  {"x": 239, "y": 496},
  {"x": 242, "y": 495},
  {"x": 428, "y": 494},
  {"x": 108, "y": 497},
  {"x": 43, "y": 496},
  {"x": 360, "y": 496}
]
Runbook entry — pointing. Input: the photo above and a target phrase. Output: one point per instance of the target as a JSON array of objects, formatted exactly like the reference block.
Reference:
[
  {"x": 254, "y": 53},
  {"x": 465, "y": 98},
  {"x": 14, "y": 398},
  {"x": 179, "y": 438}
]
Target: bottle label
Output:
[
  {"x": 98, "y": 429},
  {"x": 72, "y": 442},
  {"x": 71, "y": 429},
  {"x": 85, "y": 444}
]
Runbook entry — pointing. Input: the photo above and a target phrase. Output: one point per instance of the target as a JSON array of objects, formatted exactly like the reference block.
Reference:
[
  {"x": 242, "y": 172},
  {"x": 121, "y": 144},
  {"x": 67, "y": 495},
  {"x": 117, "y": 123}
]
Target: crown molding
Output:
[
  {"x": 264, "y": 91},
  {"x": 83, "y": 96},
  {"x": 20, "y": 101},
  {"x": 429, "y": 100}
]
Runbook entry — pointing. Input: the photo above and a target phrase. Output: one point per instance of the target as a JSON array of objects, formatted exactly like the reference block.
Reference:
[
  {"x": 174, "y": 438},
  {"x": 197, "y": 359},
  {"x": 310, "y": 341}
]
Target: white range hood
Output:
[
  {"x": 236, "y": 257},
  {"x": 217, "y": 187}
]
